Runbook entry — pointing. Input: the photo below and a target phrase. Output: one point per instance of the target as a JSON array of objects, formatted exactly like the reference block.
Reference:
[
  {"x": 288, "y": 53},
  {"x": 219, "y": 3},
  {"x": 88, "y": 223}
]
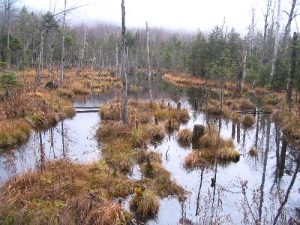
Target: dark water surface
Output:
[{"x": 249, "y": 191}]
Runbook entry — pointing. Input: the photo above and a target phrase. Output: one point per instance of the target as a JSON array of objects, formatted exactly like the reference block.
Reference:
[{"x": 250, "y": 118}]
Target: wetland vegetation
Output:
[{"x": 109, "y": 128}]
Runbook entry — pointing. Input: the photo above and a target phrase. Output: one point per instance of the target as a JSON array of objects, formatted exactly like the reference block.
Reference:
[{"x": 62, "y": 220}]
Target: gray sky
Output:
[{"x": 190, "y": 15}]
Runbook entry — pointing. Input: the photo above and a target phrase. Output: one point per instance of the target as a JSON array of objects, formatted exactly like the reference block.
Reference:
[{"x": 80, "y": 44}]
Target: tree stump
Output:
[{"x": 198, "y": 132}]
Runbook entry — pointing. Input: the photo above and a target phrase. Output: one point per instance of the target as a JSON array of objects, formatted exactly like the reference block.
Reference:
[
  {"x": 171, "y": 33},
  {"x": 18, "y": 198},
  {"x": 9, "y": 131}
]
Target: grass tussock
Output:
[
  {"x": 194, "y": 161},
  {"x": 184, "y": 137},
  {"x": 13, "y": 133},
  {"x": 253, "y": 152},
  {"x": 211, "y": 147},
  {"x": 145, "y": 204},
  {"x": 58, "y": 190},
  {"x": 248, "y": 121},
  {"x": 159, "y": 180},
  {"x": 125, "y": 145},
  {"x": 214, "y": 109},
  {"x": 289, "y": 121},
  {"x": 144, "y": 112}
]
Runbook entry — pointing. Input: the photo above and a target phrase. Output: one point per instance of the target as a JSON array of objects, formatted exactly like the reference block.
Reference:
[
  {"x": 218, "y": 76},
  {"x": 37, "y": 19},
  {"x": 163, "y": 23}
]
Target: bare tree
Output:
[
  {"x": 291, "y": 16},
  {"x": 62, "y": 59},
  {"x": 292, "y": 69},
  {"x": 275, "y": 52},
  {"x": 124, "y": 111},
  {"x": 148, "y": 50}
]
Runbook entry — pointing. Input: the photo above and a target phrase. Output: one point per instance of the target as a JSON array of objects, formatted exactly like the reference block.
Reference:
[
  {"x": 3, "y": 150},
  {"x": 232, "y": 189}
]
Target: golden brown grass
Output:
[
  {"x": 13, "y": 132},
  {"x": 184, "y": 137},
  {"x": 145, "y": 204},
  {"x": 211, "y": 147},
  {"x": 58, "y": 190},
  {"x": 248, "y": 121},
  {"x": 253, "y": 152},
  {"x": 214, "y": 109}
]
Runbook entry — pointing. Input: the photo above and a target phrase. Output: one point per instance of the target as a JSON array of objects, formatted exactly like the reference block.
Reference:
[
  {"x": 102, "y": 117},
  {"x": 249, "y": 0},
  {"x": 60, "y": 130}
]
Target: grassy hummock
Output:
[{"x": 211, "y": 148}]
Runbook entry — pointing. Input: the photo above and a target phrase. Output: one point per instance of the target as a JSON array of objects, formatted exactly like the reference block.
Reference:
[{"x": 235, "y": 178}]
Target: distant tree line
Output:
[{"x": 28, "y": 39}]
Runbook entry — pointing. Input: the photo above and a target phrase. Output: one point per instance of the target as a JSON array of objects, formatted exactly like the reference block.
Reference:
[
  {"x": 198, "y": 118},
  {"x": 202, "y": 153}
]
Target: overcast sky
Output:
[{"x": 189, "y": 15}]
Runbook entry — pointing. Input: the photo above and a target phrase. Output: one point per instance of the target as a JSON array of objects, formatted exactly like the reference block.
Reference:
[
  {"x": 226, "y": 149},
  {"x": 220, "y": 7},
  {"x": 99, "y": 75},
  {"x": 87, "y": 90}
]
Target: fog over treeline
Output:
[{"x": 36, "y": 37}]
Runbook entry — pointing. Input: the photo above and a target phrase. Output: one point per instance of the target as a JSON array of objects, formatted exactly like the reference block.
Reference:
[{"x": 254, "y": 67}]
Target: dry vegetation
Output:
[
  {"x": 42, "y": 106},
  {"x": 211, "y": 147},
  {"x": 66, "y": 193},
  {"x": 289, "y": 121},
  {"x": 184, "y": 137},
  {"x": 126, "y": 145}
]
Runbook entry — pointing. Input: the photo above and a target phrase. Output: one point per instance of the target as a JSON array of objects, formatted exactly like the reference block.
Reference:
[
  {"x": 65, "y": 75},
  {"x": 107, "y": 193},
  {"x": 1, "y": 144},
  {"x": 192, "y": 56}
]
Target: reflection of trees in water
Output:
[{"x": 259, "y": 210}]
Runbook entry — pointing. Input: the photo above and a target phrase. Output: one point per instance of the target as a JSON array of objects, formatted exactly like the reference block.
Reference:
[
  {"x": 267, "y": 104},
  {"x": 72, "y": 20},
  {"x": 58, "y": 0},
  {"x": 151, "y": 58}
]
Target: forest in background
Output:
[{"x": 261, "y": 56}]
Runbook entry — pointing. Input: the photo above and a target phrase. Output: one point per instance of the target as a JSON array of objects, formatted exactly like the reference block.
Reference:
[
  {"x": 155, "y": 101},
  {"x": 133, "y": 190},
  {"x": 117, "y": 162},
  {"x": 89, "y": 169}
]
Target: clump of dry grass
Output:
[
  {"x": 214, "y": 109},
  {"x": 110, "y": 130},
  {"x": 90, "y": 210},
  {"x": 235, "y": 117},
  {"x": 171, "y": 125},
  {"x": 13, "y": 133},
  {"x": 144, "y": 204},
  {"x": 253, "y": 151},
  {"x": 60, "y": 189},
  {"x": 211, "y": 147},
  {"x": 142, "y": 156},
  {"x": 156, "y": 132},
  {"x": 194, "y": 161},
  {"x": 119, "y": 155},
  {"x": 248, "y": 121},
  {"x": 246, "y": 104},
  {"x": 185, "y": 80},
  {"x": 184, "y": 137}
]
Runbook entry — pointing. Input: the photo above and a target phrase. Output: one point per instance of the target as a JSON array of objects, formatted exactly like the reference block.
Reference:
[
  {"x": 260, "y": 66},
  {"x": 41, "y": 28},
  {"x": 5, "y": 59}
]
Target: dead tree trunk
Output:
[
  {"x": 62, "y": 58},
  {"x": 275, "y": 52},
  {"x": 148, "y": 51},
  {"x": 241, "y": 73},
  {"x": 287, "y": 30},
  {"x": 124, "y": 112},
  {"x": 292, "y": 69}
]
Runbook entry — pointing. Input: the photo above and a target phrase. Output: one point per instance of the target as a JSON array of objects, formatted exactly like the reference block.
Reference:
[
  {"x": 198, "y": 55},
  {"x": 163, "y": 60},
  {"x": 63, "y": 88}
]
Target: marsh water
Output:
[{"x": 254, "y": 189}]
